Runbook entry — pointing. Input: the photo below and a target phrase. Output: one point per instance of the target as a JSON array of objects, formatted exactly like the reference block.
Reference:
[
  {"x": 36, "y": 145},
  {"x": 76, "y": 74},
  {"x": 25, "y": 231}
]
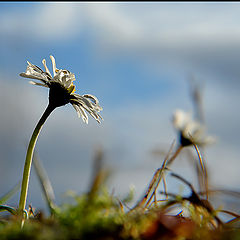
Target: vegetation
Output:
[{"x": 98, "y": 214}]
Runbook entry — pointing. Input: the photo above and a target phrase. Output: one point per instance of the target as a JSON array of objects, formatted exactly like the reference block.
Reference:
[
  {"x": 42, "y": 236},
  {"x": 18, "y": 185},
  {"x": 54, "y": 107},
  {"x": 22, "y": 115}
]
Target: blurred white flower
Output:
[
  {"x": 190, "y": 131},
  {"x": 62, "y": 90}
]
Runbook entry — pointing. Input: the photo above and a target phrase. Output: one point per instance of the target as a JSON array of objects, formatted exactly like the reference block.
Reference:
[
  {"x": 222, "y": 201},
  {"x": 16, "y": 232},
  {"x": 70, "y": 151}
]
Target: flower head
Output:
[
  {"x": 190, "y": 131},
  {"x": 62, "y": 89}
]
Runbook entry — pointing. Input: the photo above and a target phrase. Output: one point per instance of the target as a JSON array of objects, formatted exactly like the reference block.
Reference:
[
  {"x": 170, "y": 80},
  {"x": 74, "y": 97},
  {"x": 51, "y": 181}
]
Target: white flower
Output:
[
  {"x": 190, "y": 131},
  {"x": 62, "y": 90}
]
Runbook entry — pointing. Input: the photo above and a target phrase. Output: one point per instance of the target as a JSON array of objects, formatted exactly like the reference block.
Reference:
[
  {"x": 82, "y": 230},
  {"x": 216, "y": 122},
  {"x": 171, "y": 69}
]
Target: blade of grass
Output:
[
  {"x": 145, "y": 201},
  {"x": 45, "y": 183},
  {"x": 203, "y": 168},
  {"x": 196, "y": 95},
  {"x": 235, "y": 215},
  {"x": 170, "y": 161},
  {"x": 8, "y": 208},
  {"x": 99, "y": 175},
  {"x": 9, "y": 194},
  {"x": 222, "y": 191}
]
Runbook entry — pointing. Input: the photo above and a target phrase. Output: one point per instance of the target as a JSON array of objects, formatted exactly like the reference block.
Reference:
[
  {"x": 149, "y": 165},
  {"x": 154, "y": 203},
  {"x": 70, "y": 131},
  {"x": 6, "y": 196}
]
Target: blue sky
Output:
[{"x": 136, "y": 58}]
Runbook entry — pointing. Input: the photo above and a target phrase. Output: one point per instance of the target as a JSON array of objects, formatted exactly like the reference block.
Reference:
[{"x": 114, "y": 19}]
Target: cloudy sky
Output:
[{"x": 137, "y": 59}]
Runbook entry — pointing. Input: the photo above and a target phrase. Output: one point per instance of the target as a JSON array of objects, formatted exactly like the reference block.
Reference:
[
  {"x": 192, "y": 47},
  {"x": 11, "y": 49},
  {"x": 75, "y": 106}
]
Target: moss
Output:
[{"x": 100, "y": 216}]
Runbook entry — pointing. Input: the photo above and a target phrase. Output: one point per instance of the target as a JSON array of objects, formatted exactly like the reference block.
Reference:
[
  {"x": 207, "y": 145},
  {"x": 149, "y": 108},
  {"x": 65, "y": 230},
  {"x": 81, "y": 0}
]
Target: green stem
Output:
[{"x": 28, "y": 161}]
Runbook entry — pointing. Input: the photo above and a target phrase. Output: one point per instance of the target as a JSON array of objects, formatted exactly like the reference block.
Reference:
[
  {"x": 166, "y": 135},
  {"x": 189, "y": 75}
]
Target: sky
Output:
[{"x": 137, "y": 59}]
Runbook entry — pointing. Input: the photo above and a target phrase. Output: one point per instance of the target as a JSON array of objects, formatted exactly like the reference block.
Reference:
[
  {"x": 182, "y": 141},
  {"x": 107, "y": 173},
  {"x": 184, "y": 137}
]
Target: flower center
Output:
[
  {"x": 185, "y": 141},
  {"x": 58, "y": 94}
]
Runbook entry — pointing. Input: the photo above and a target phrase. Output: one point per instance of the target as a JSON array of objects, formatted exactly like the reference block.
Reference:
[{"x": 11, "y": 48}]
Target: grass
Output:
[
  {"x": 101, "y": 215},
  {"x": 97, "y": 214}
]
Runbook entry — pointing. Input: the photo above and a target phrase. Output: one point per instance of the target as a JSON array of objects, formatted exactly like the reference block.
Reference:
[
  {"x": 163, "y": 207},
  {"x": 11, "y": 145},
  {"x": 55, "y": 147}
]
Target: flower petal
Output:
[
  {"x": 88, "y": 105},
  {"x": 35, "y": 72},
  {"x": 81, "y": 113},
  {"x": 46, "y": 68},
  {"x": 191, "y": 129},
  {"x": 180, "y": 119},
  {"x": 39, "y": 84},
  {"x": 94, "y": 100},
  {"x": 53, "y": 65},
  {"x": 64, "y": 77}
]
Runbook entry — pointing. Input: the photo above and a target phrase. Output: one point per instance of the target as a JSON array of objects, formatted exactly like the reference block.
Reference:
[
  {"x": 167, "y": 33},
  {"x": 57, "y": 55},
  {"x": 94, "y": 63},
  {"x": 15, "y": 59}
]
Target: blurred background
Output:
[{"x": 137, "y": 58}]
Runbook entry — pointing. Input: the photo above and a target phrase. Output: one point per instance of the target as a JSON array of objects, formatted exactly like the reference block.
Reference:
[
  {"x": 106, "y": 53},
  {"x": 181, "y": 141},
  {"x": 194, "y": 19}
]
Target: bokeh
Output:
[{"x": 137, "y": 58}]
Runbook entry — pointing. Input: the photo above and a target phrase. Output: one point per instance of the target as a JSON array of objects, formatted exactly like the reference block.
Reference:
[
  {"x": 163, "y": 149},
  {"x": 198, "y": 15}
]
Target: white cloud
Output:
[
  {"x": 198, "y": 37},
  {"x": 45, "y": 21},
  {"x": 160, "y": 24},
  {"x": 112, "y": 24},
  {"x": 167, "y": 24},
  {"x": 56, "y": 21}
]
